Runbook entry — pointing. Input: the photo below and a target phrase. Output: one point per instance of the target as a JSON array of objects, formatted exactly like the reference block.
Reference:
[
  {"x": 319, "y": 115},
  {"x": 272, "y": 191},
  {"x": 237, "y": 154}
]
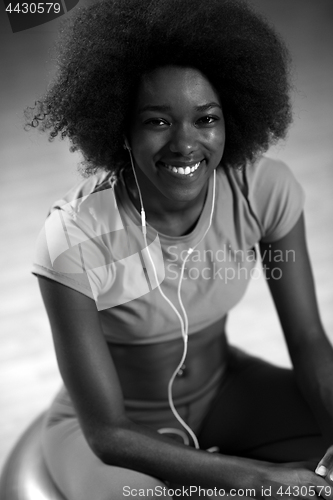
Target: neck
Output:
[{"x": 166, "y": 216}]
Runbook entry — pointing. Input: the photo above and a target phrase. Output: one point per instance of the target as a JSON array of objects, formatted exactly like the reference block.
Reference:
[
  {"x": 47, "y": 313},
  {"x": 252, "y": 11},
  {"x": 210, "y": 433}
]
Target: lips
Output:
[{"x": 184, "y": 170}]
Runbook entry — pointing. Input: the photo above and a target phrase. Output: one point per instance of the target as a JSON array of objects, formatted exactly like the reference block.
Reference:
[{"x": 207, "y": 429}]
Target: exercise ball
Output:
[{"x": 25, "y": 475}]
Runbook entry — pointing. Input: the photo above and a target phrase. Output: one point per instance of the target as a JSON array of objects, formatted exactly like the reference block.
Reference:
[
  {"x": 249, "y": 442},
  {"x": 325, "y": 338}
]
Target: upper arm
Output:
[
  {"x": 83, "y": 357},
  {"x": 288, "y": 271}
]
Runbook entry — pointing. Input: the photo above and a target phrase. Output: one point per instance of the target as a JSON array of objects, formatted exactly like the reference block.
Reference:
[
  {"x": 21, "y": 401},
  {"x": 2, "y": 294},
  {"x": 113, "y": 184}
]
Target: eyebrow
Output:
[
  {"x": 207, "y": 106},
  {"x": 165, "y": 107}
]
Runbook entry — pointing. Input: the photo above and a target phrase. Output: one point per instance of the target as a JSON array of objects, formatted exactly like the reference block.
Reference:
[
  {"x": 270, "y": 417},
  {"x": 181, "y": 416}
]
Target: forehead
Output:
[{"x": 175, "y": 86}]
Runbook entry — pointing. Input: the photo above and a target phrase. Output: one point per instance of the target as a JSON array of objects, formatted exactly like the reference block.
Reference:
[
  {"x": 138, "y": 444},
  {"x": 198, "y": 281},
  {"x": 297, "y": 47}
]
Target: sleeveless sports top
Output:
[{"x": 92, "y": 242}]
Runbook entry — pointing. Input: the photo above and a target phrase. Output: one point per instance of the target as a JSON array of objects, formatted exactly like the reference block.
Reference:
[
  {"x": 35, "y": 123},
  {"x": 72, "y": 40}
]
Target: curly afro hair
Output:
[{"x": 106, "y": 48}]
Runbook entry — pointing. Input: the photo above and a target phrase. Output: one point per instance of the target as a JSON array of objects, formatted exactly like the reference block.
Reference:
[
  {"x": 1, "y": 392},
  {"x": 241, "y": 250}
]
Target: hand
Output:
[
  {"x": 325, "y": 466},
  {"x": 295, "y": 480}
]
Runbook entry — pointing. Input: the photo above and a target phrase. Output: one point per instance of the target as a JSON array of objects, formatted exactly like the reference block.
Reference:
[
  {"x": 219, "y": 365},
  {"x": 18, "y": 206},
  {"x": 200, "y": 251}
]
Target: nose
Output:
[{"x": 183, "y": 140}]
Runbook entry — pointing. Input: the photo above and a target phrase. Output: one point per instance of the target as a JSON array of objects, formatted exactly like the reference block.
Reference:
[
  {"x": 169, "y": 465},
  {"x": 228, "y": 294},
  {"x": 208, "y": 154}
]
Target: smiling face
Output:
[{"x": 177, "y": 134}]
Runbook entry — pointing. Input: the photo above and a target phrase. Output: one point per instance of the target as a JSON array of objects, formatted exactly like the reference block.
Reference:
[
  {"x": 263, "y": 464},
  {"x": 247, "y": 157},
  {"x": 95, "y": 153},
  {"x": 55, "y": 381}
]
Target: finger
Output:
[
  {"x": 321, "y": 469},
  {"x": 325, "y": 465},
  {"x": 329, "y": 477}
]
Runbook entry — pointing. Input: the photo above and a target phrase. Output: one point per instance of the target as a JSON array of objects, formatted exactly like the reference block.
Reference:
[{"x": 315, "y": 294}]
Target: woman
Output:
[{"x": 172, "y": 105}]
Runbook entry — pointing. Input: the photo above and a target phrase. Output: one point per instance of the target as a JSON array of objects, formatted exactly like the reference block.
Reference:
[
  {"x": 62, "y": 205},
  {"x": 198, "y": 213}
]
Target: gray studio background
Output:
[{"x": 34, "y": 172}]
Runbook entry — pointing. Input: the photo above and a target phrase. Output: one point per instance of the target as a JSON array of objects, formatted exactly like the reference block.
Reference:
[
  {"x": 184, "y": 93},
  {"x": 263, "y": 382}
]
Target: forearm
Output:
[
  {"x": 142, "y": 449},
  {"x": 313, "y": 363}
]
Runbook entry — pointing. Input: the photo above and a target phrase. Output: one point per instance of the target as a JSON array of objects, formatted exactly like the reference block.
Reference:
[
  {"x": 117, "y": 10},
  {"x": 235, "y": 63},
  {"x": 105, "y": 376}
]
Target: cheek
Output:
[
  {"x": 145, "y": 145},
  {"x": 216, "y": 136},
  {"x": 217, "y": 140}
]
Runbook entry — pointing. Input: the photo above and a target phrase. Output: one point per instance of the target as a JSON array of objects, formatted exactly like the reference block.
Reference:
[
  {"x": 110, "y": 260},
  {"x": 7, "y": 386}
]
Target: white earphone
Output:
[
  {"x": 183, "y": 321},
  {"x": 126, "y": 144}
]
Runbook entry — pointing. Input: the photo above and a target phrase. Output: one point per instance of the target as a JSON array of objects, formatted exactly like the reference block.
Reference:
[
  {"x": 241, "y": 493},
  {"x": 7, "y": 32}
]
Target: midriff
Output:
[{"x": 144, "y": 370}]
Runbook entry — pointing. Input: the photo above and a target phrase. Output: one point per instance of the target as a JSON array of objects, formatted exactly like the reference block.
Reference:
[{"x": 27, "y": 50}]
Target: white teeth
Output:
[{"x": 188, "y": 170}]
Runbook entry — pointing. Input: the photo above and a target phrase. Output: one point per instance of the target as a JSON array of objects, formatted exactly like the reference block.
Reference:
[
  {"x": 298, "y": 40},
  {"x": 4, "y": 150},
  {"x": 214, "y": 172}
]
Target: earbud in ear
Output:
[{"x": 126, "y": 144}]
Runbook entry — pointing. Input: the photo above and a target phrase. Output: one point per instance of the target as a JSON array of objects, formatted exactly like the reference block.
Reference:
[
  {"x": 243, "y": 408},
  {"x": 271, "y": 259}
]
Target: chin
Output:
[{"x": 182, "y": 194}]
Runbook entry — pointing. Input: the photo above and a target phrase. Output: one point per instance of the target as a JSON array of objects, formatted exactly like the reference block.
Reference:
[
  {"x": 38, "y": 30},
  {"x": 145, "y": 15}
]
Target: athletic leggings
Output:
[{"x": 254, "y": 410}]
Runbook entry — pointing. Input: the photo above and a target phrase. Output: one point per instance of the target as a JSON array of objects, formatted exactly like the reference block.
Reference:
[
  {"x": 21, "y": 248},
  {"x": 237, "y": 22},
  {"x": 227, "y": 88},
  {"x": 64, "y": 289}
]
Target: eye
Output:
[
  {"x": 208, "y": 120},
  {"x": 156, "y": 122}
]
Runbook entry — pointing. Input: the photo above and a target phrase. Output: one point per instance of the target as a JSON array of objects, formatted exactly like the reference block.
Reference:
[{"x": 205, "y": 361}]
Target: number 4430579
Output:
[
  {"x": 33, "y": 8},
  {"x": 304, "y": 491}
]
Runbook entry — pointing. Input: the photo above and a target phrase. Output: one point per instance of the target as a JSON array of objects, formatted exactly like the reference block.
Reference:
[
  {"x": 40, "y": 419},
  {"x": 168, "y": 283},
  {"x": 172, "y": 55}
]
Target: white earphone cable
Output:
[{"x": 183, "y": 322}]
